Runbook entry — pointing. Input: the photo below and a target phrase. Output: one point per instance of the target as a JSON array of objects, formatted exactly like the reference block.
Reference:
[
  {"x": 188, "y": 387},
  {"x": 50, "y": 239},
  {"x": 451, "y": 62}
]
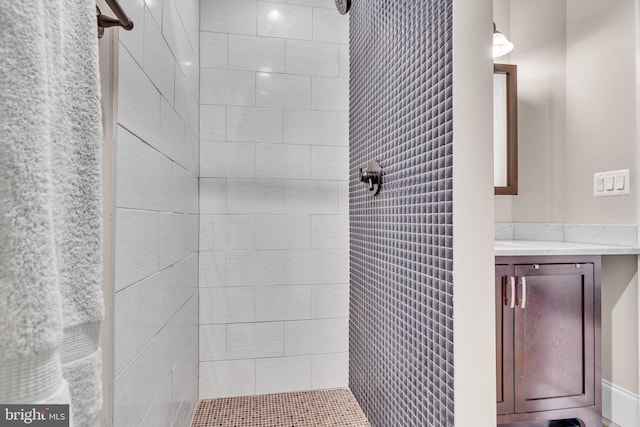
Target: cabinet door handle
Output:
[
  {"x": 513, "y": 292},
  {"x": 524, "y": 292}
]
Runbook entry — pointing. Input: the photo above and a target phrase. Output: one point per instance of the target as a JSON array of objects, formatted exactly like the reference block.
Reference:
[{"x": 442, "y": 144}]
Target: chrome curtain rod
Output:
[{"x": 121, "y": 20}]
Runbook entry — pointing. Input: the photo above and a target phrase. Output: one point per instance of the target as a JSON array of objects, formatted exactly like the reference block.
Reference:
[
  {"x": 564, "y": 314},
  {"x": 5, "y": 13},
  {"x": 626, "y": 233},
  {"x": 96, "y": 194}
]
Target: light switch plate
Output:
[{"x": 612, "y": 183}]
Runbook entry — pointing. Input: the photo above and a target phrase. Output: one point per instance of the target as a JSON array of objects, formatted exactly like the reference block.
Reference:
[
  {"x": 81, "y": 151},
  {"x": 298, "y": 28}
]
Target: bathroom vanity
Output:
[
  {"x": 548, "y": 322},
  {"x": 548, "y": 339}
]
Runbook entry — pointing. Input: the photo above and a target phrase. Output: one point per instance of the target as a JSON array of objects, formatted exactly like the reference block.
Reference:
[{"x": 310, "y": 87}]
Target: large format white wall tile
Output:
[
  {"x": 343, "y": 197},
  {"x": 227, "y": 87},
  {"x": 156, "y": 308},
  {"x": 189, "y": 74},
  {"x": 329, "y": 26},
  {"x": 264, "y": 181},
  {"x": 186, "y": 102},
  {"x": 343, "y": 129},
  {"x": 143, "y": 309},
  {"x": 138, "y": 100},
  {"x": 329, "y": 231},
  {"x": 330, "y": 94},
  {"x": 283, "y": 374},
  {"x": 186, "y": 105},
  {"x": 234, "y": 17},
  {"x": 213, "y": 195},
  {"x": 226, "y": 305},
  {"x": 283, "y": 91},
  {"x": 184, "y": 279},
  {"x": 172, "y": 240},
  {"x": 329, "y": 301},
  {"x": 315, "y": 336},
  {"x": 138, "y": 318},
  {"x": 188, "y": 403},
  {"x": 283, "y": 303},
  {"x": 212, "y": 270},
  {"x": 283, "y": 161},
  {"x": 144, "y": 175},
  {"x": 246, "y": 124},
  {"x": 136, "y": 246},
  {"x": 189, "y": 11},
  {"x": 158, "y": 60},
  {"x": 253, "y": 340},
  {"x": 138, "y": 384},
  {"x": 281, "y": 20},
  {"x": 227, "y": 159},
  {"x": 192, "y": 151},
  {"x": 161, "y": 408},
  {"x": 311, "y": 266},
  {"x": 327, "y": 4},
  {"x": 311, "y": 127},
  {"x": 343, "y": 265},
  {"x": 171, "y": 141},
  {"x": 330, "y": 163},
  {"x": 227, "y": 378},
  {"x": 213, "y": 122},
  {"x": 155, "y": 7},
  {"x": 283, "y": 232},
  {"x": 133, "y": 41},
  {"x": 254, "y": 268},
  {"x": 213, "y": 342},
  {"x": 247, "y": 196},
  {"x": 344, "y": 61},
  {"x": 227, "y": 232},
  {"x": 187, "y": 108},
  {"x": 310, "y": 197},
  {"x": 191, "y": 232},
  {"x": 313, "y": 58},
  {"x": 177, "y": 37},
  {"x": 213, "y": 50},
  {"x": 184, "y": 377},
  {"x": 256, "y": 53},
  {"x": 329, "y": 370},
  {"x": 185, "y": 190}
]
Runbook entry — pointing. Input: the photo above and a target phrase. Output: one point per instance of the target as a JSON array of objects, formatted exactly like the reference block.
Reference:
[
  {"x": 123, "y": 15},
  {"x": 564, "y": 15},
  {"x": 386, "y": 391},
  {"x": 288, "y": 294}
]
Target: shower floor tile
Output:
[{"x": 323, "y": 408}]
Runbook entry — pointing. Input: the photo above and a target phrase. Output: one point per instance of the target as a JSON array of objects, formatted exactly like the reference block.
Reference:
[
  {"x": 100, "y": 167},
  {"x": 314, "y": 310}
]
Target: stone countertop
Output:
[{"x": 542, "y": 247}]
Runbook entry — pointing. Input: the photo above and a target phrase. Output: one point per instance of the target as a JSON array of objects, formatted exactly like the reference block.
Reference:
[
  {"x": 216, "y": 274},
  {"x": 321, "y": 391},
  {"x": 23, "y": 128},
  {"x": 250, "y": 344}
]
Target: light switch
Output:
[
  {"x": 611, "y": 183},
  {"x": 608, "y": 183}
]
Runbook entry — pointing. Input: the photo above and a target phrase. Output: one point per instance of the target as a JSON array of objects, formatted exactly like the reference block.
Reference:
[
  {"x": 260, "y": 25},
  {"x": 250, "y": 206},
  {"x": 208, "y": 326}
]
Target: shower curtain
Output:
[{"x": 50, "y": 206}]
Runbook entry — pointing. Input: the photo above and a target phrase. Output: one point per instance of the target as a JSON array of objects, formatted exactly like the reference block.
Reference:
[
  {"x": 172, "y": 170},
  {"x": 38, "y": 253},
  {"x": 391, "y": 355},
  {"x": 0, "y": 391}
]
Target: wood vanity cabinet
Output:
[{"x": 548, "y": 340}]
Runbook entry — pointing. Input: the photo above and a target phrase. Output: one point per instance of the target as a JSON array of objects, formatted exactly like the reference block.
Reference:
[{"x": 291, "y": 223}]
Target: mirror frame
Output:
[{"x": 511, "y": 72}]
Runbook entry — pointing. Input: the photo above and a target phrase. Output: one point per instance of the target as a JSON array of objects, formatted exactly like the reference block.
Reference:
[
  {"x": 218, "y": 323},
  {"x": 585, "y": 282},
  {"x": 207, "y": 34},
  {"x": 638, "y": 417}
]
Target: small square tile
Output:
[{"x": 332, "y": 407}]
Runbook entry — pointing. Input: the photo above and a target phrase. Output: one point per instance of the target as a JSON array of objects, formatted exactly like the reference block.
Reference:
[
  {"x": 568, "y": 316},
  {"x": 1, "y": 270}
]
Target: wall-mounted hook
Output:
[{"x": 372, "y": 176}]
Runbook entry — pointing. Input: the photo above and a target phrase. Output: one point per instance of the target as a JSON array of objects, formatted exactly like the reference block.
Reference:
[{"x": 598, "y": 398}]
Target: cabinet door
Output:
[
  {"x": 554, "y": 345},
  {"x": 504, "y": 338}
]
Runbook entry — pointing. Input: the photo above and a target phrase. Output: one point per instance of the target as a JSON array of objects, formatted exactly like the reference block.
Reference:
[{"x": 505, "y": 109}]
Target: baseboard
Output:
[{"x": 620, "y": 405}]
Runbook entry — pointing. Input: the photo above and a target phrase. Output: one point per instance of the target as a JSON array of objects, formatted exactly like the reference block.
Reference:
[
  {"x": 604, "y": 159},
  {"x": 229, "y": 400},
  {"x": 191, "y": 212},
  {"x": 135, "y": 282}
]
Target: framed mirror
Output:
[{"x": 505, "y": 129}]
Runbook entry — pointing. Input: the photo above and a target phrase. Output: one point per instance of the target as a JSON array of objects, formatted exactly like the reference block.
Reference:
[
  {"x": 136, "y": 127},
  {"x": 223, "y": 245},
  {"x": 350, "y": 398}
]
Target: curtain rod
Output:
[{"x": 121, "y": 20}]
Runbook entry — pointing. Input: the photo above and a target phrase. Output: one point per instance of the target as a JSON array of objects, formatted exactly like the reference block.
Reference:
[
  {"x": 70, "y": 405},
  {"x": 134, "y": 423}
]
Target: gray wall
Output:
[
  {"x": 620, "y": 321},
  {"x": 576, "y": 101},
  {"x": 156, "y": 261},
  {"x": 273, "y": 197}
]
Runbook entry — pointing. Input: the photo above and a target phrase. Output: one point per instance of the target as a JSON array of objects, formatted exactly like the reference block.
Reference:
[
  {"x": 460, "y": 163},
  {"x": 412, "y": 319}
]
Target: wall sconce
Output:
[{"x": 501, "y": 45}]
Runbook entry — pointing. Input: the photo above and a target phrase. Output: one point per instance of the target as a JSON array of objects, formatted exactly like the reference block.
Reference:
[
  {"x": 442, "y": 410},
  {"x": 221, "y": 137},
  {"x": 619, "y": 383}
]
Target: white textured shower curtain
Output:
[{"x": 50, "y": 206}]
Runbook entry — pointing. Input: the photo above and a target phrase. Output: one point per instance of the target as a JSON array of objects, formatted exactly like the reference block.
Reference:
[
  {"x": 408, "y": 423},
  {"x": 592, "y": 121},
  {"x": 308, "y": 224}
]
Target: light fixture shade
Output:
[{"x": 501, "y": 45}]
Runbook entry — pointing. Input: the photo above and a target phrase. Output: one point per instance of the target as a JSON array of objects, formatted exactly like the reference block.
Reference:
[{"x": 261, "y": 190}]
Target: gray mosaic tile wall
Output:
[{"x": 401, "y": 328}]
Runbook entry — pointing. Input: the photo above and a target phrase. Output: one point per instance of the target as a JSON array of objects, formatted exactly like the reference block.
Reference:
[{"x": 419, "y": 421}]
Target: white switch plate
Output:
[{"x": 612, "y": 183}]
